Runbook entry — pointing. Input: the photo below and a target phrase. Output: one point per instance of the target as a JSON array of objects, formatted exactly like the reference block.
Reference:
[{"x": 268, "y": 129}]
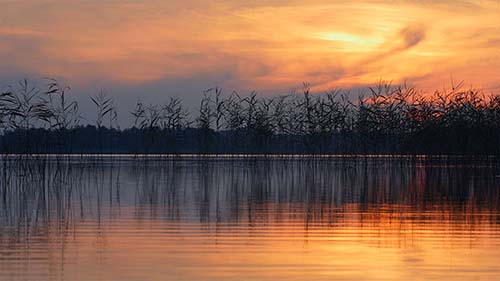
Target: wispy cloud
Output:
[
  {"x": 412, "y": 35},
  {"x": 262, "y": 45}
]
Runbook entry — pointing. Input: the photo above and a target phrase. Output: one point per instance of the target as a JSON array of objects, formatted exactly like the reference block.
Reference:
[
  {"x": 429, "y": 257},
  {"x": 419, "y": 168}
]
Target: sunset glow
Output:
[
  {"x": 246, "y": 46},
  {"x": 249, "y": 140}
]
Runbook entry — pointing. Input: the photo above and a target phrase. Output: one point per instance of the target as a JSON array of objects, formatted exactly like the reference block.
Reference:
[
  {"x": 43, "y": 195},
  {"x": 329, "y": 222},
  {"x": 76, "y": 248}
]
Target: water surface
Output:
[{"x": 249, "y": 219}]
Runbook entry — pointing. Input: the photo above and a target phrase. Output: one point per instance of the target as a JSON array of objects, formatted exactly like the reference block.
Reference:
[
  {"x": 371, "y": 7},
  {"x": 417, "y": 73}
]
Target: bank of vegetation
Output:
[{"x": 386, "y": 120}]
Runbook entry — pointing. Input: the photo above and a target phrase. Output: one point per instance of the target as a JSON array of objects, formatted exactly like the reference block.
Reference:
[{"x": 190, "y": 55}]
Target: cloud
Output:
[
  {"x": 407, "y": 38},
  {"x": 411, "y": 35},
  {"x": 268, "y": 46},
  {"x": 20, "y": 32}
]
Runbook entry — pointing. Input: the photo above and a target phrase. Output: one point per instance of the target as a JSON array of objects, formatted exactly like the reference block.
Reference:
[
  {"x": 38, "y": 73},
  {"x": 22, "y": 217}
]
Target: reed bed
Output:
[{"x": 387, "y": 119}]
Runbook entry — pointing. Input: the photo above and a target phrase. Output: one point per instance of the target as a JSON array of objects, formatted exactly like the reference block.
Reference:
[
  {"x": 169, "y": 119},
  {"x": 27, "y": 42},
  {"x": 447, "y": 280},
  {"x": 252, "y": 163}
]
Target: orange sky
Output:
[{"x": 246, "y": 45}]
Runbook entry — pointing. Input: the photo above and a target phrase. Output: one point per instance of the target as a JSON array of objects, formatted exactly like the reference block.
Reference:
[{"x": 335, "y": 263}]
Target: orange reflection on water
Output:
[{"x": 270, "y": 242}]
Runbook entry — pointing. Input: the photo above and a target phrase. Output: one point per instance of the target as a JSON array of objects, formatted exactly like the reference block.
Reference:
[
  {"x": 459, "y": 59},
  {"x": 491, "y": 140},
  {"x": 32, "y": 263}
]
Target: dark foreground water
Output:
[{"x": 249, "y": 219}]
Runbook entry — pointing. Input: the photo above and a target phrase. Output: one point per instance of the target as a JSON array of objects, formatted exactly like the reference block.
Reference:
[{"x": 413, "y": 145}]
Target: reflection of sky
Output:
[
  {"x": 223, "y": 190},
  {"x": 187, "y": 46},
  {"x": 279, "y": 220}
]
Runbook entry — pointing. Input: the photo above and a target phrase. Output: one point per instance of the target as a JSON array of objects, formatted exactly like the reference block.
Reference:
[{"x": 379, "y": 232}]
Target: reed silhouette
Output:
[{"x": 387, "y": 120}]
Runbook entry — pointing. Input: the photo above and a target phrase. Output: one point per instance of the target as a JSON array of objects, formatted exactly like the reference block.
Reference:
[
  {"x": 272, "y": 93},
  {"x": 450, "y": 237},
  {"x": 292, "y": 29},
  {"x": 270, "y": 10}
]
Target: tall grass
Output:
[{"x": 387, "y": 119}]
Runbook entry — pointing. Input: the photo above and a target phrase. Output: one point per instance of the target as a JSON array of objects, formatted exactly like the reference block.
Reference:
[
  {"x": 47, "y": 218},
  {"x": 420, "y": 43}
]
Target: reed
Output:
[{"x": 386, "y": 119}]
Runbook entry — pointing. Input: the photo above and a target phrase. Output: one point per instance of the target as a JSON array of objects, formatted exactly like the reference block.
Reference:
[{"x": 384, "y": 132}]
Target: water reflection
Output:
[{"x": 182, "y": 219}]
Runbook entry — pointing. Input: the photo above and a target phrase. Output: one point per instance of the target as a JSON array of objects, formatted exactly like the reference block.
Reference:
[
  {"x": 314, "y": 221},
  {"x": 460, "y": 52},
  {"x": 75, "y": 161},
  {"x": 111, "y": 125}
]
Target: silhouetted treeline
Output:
[{"x": 388, "y": 120}]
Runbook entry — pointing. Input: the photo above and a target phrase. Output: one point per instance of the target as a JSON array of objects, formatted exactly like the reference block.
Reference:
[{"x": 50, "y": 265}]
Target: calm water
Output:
[{"x": 230, "y": 219}]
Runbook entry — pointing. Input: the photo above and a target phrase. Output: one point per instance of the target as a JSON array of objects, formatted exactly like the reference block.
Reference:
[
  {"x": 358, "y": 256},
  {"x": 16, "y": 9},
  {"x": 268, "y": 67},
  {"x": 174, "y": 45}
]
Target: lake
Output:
[{"x": 249, "y": 218}]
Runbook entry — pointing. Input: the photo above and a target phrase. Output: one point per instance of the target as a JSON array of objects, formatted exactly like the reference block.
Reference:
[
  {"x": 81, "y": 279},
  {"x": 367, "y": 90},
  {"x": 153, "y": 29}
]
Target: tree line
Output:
[{"x": 386, "y": 120}]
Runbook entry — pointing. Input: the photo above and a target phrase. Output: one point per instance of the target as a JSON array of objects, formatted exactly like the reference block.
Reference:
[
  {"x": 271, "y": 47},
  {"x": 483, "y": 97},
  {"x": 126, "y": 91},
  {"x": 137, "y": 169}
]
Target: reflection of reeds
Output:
[
  {"x": 63, "y": 199},
  {"x": 389, "y": 119},
  {"x": 63, "y": 189}
]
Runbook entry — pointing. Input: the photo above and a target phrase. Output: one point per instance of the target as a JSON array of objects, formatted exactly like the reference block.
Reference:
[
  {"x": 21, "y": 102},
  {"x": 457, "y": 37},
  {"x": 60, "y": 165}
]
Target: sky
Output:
[{"x": 153, "y": 49}]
